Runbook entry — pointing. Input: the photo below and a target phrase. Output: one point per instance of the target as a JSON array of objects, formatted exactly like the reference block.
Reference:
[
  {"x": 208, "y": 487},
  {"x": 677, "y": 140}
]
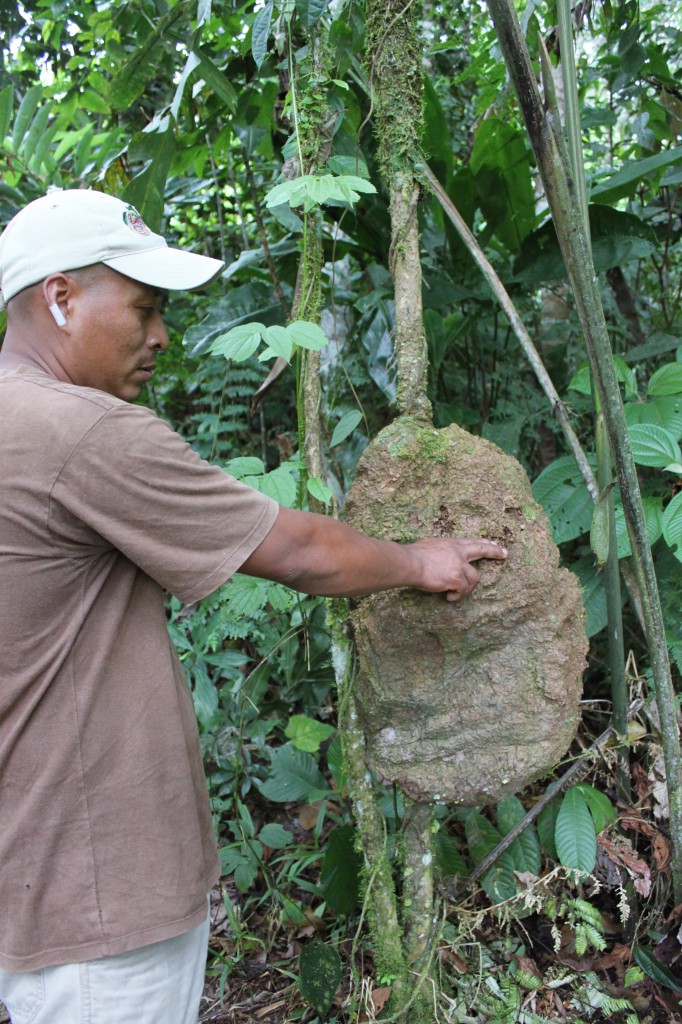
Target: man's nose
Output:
[{"x": 157, "y": 336}]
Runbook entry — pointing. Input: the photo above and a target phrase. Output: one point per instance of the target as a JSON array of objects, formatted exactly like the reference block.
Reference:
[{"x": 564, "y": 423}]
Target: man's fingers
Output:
[{"x": 473, "y": 549}]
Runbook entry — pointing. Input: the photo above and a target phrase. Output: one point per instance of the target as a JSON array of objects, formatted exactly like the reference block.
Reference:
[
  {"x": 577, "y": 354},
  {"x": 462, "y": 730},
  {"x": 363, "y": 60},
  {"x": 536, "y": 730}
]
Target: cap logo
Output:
[{"x": 133, "y": 220}]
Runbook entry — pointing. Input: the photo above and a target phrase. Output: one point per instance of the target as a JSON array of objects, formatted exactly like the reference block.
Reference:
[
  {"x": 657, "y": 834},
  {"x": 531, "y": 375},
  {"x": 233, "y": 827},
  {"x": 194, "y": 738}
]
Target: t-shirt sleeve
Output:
[{"x": 135, "y": 483}]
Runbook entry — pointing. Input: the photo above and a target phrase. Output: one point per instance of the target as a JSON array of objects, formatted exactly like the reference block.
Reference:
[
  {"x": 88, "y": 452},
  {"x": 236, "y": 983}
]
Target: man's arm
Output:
[{"x": 319, "y": 555}]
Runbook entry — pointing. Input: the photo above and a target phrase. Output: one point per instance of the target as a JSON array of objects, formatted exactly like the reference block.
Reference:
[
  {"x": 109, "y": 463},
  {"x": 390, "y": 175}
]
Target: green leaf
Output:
[
  {"x": 602, "y": 810},
  {"x": 348, "y": 165},
  {"x": 308, "y": 734},
  {"x": 561, "y": 491},
  {"x": 482, "y": 836},
  {"x": 146, "y": 190},
  {"x": 525, "y": 850},
  {"x": 6, "y": 105},
  {"x": 27, "y": 109},
  {"x": 308, "y": 335},
  {"x": 261, "y": 33},
  {"x": 320, "y": 490},
  {"x": 653, "y": 515},
  {"x": 547, "y": 827},
  {"x": 662, "y": 412},
  {"x": 245, "y": 595},
  {"x": 275, "y": 836},
  {"x": 576, "y": 839},
  {"x": 652, "y": 966},
  {"x": 280, "y": 341},
  {"x": 35, "y": 133},
  {"x": 320, "y": 975},
  {"x": 134, "y": 73},
  {"x": 624, "y": 181},
  {"x": 279, "y": 485},
  {"x": 345, "y": 427},
  {"x": 217, "y": 80},
  {"x": 191, "y": 64},
  {"x": 449, "y": 859},
  {"x": 245, "y": 875},
  {"x": 204, "y": 692},
  {"x": 666, "y": 381},
  {"x": 310, "y": 11},
  {"x": 672, "y": 525},
  {"x": 245, "y": 465},
  {"x": 594, "y": 596},
  {"x": 294, "y": 775},
  {"x": 582, "y": 378},
  {"x": 653, "y": 446},
  {"x": 340, "y": 871},
  {"x": 239, "y": 343}
]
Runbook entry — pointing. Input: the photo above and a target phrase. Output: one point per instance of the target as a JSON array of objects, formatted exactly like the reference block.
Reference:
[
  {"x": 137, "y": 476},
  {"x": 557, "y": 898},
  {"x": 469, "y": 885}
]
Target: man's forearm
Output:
[{"x": 320, "y": 555}]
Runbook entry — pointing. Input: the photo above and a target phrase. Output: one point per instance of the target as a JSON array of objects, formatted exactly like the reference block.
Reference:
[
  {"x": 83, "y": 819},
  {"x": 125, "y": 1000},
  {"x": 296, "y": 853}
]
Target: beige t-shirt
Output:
[{"x": 105, "y": 832}]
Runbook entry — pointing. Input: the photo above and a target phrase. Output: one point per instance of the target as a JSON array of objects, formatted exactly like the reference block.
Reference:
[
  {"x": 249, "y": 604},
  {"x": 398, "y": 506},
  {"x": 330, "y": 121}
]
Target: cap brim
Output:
[{"x": 168, "y": 269}]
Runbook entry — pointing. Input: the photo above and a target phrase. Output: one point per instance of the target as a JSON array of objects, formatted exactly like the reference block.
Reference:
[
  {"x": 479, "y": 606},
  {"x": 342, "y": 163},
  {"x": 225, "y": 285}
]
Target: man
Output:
[{"x": 106, "y": 847}]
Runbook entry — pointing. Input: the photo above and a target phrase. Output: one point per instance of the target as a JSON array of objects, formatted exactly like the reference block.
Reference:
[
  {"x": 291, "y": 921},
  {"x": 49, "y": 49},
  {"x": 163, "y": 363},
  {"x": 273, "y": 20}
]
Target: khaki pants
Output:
[{"x": 157, "y": 984}]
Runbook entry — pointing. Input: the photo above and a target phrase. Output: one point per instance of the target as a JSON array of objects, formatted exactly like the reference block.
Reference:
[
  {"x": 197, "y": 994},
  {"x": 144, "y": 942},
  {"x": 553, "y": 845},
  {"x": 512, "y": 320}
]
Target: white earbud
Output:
[{"x": 57, "y": 314}]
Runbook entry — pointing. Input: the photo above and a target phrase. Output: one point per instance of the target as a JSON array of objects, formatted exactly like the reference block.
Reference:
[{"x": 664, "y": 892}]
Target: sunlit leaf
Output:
[{"x": 307, "y": 733}]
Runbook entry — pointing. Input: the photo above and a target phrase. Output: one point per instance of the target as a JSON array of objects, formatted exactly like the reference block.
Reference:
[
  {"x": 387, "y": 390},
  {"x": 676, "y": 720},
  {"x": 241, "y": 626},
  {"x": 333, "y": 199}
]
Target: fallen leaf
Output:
[
  {"x": 661, "y": 851},
  {"x": 623, "y": 855},
  {"x": 380, "y": 997}
]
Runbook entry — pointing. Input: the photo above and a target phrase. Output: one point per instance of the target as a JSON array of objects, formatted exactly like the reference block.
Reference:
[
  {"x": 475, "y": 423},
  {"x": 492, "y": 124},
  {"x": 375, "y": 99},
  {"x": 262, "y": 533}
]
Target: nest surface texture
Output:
[{"x": 464, "y": 702}]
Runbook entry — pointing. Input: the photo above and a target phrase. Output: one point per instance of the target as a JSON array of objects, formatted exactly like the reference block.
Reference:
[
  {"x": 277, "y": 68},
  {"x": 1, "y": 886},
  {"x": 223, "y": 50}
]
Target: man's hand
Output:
[
  {"x": 446, "y": 564},
  {"x": 319, "y": 555}
]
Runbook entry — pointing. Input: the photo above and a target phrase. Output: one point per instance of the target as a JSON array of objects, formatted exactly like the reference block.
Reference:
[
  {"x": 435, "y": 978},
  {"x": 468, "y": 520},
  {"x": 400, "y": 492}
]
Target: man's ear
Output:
[{"x": 57, "y": 289}]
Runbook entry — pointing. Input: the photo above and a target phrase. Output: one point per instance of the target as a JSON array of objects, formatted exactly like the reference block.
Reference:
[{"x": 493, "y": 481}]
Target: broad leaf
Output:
[
  {"x": 307, "y": 734},
  {"x": 345, "y": 427},
  {"x": 666, "y": 381},
  {"x": 602, "y": 810},
  {"x": 624, "y": 181},
  {"x": 308, "y": 335},
  {"x": 449, "y": 859},
  {"x": 653, "y": 446},
  {"x": 320, "y": 490},
  {"x": 662, "y": 412},
  {"x": 294, "y": 775},
  {"x": 279, "y": 485},
  {"x": 653, "y": 515},
  {"x": 320, "y": 975},
  {"x": 243, "y": 466},
  {"x": 594, "y": 597},
  {"x": 561, "y": 491},
  {"x": 340, "y": 871},
  {"x": 245, "y": 595},
  {"x": 239, "y": 343},
  {"x": 25, "y": 114},
  {"x": 582, "y": 378},
  {"x": 576, "y": 839},
  {"x": 482, "y": 836},
  {"x": 280, "y": 341},
  {"x": 6, "y": 105},
  {"x": 652, "y": 966},
  {"x": 261, "y": 33},
  {"x": 275, "y": 836},
  {"x": 672, "y": 525}
]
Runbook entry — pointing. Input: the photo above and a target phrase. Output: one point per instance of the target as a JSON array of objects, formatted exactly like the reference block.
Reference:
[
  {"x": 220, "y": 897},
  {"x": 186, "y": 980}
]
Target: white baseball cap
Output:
[{"x": 72, "y": 228}]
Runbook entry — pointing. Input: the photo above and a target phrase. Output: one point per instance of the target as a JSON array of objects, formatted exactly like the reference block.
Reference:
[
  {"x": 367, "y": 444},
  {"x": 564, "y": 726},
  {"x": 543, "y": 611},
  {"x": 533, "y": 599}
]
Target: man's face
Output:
[{"x": 115, "y": 332}]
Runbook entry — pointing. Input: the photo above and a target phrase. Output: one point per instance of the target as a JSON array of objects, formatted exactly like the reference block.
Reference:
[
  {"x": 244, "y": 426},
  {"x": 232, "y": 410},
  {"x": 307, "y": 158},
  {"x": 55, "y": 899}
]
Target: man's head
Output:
[
  {"x": 64, "y": 230},
  {"x": 83, "y": 275}
]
